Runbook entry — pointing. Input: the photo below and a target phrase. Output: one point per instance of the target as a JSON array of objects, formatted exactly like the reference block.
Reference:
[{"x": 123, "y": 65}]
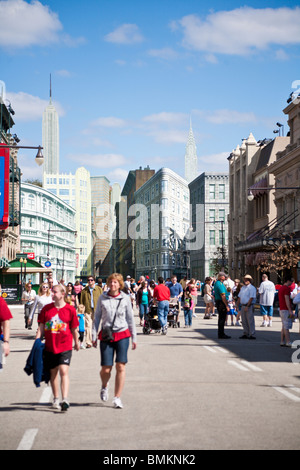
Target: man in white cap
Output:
[{"x": 247, "y": 297}]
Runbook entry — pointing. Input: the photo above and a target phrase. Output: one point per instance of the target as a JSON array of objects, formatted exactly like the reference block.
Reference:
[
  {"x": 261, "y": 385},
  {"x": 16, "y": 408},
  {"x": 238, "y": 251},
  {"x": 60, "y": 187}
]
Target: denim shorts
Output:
[
  {"x": 266, "y": 310},
  {"x": 117, "y": 348}
]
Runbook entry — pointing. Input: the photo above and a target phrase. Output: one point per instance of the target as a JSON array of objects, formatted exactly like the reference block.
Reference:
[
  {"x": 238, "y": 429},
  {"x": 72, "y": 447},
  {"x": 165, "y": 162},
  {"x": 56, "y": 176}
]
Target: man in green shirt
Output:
[{"x": 221, "y": 304}]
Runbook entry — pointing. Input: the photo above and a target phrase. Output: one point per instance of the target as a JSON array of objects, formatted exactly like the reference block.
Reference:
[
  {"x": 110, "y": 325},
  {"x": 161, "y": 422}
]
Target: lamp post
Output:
[
  {"x": 39, "y": 159},
  {"x": 251, "y": 195}
]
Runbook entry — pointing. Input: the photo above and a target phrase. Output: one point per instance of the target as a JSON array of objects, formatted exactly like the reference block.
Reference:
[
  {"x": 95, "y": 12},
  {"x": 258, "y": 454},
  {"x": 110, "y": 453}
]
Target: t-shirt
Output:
[
  {"x": 246, "y": 293},
  {"x": 58, "y": 324},
  {"x": 4, "y": 312},
  {"x": 161, "y": 292},
  {"x": 267, "y": 292},
  {"x": 219, "y": 289},
  {"x": 175, "y": 289},
  {"x": 145, "y": 297},
  {"x": 284, "y": 290}
]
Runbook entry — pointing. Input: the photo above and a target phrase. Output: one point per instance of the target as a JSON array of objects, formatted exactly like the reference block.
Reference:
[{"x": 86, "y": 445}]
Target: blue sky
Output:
[{"x": 127, "y": 76}]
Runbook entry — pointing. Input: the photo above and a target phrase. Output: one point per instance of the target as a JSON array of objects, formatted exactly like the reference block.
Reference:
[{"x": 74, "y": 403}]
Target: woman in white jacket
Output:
[
  {"x": 114, "y": 307},
  {"x": 43, "y": 298}
]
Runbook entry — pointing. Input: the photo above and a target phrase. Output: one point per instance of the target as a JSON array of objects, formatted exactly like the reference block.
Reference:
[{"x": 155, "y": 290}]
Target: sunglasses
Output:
[
  {"x": 90, "y": 280},
  {"x": 44, "y": 287}
]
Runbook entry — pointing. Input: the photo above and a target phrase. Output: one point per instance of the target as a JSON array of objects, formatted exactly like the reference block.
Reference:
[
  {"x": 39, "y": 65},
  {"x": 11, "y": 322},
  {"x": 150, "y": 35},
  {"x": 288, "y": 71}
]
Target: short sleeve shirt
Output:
[
  {"x": 4, "y": 312},
  {"x": 58, "y": 324},
  {"x": 219, "y": 289}
]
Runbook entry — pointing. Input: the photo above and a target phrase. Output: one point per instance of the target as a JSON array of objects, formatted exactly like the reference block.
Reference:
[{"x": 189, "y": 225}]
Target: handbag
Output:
[{"x": 107, "y": 331}]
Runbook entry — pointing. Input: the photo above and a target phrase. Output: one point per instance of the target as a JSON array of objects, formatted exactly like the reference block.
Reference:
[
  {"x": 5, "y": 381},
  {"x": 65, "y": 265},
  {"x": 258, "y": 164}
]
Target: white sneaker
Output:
[
  {"x": 270, "y": 323},
  {"x": 264, "y": 323},
  {"x": 104, "y": 393},
  {"x": 117, "y": 402},
  {"x": 56, "y": 404}
]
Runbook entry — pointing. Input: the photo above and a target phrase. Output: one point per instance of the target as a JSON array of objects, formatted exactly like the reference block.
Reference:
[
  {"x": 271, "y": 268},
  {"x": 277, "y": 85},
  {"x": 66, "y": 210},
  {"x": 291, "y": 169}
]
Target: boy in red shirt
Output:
[
  {"x": 286, "y": 312},
  {"x": 58, "y": 323},
  {"x": 162, "y": 295}
]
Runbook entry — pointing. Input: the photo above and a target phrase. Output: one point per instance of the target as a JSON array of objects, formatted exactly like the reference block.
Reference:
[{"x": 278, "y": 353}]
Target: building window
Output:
[
  {"x": 212, "y": 214},
  {"x": 212, "y": 191},
  {"x": 222, "y": 215},
  {"x": 212, "y": 237},
  {"x": 221, "y": 191}
]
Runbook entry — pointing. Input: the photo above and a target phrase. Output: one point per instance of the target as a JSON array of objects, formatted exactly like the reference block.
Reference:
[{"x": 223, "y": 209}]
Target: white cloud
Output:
[
  {"x": 227, "y": 116},
  {"x": 166, "y": 118},
  {"x": 216, "y": 162},
  {"x": 30, "y": 108},
  {"x": 125, "y": 34},
  {"x": 109, "y": 121},
  {"x": 241, "y": 31},
  {"x": 108, "y": 160},
  {"x": 166, "y": 53},
  {"x": 26, "y": 24}
]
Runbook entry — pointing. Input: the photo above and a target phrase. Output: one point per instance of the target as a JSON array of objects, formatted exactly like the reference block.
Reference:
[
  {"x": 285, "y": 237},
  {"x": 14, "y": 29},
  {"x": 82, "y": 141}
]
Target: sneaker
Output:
[
  {"x": 104, "y": 393},
  {"x": 65, "y": 405},
  {"x": 237, "y": 323},
  {"x": 289, "y": 345},
  {"x": 164, "y": 330},
  {"x": 270, "y": 323},
  {"x": 55, "y": 404},
  {"x": 264, "y": 323},
  {"x": 117, "y": 402}
]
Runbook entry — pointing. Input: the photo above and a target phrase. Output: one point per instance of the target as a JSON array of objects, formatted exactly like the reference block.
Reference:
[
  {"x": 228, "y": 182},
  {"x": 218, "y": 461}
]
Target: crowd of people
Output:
[{"x": 76, "y": 316}]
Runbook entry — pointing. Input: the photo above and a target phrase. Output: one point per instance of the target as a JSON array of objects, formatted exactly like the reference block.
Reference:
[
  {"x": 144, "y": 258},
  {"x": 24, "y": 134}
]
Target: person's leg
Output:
[
  {"x": 65, "y": 381},
  {"x": 120, "y": 379},
  {"x": 105, "y": 374},
  {"x": 54, "y": 382}
]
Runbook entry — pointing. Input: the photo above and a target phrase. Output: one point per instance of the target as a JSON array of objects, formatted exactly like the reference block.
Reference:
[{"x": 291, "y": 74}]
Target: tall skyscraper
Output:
[
  {"x": 50, "y": 138},
  {"x": 191, "y": 161}
]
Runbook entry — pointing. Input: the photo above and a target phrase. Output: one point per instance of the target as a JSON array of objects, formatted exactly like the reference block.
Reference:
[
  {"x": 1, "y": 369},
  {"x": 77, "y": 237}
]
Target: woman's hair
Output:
[
  {"x": 118, "y": 277},
  {"x": 41, "y": 292}
]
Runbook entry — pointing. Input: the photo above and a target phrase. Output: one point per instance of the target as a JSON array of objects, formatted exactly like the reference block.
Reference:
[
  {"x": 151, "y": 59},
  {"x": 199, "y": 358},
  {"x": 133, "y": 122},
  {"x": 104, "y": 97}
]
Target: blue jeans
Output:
[
  {"x": 143, "y": 310},
  {"x": 188, "y": 314},
  {"x": 162, "y": 312}
]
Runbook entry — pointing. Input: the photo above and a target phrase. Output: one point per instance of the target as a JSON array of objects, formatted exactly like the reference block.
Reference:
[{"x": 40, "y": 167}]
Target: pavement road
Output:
[{"x": 184, "y": 391}]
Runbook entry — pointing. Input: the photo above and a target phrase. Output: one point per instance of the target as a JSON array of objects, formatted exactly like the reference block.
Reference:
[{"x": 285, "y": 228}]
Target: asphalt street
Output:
[{"x": 184, "y": 391}]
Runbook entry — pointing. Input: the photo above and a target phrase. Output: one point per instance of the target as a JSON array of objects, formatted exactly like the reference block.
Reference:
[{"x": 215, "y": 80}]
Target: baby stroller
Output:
[
  {"x": 173, "y": 315},
  {"x": 151, "y": 322}
]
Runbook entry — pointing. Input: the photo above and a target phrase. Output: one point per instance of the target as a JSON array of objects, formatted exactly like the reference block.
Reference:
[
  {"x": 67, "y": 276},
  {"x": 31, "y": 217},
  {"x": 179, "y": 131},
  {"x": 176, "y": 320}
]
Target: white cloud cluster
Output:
[
  {"x": 125, "y": 34},
  {"x": 240, "y": 31},
  {"x": 28, "y": 24},
  {"x": 30, "y": 108}
]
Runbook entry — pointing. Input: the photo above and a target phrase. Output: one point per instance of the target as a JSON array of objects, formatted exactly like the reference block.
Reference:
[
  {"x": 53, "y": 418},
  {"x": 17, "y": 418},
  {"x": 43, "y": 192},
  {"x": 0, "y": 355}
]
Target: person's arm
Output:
[
  {"x": 74, "y": 332},
  {"x": 40, "y": 331},
  {"x": 96, "y": 322},
  {"x": 224, "y": 300},
  {"x": 6, "y": 333},
  {"x": 288, "y": 303},
  {"x": 131, "y": 323}
]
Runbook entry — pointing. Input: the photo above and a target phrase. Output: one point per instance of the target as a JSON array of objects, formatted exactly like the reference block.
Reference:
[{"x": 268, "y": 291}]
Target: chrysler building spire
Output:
[{"x": 191, "y": 161}]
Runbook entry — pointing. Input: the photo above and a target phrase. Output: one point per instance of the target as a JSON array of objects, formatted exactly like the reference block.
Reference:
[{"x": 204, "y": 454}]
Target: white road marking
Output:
[
  {"x": 45, "y": 397},
  {"x": 251, "y": 366},
  {"x": 209, "y": 348},
  {"x": 27, "y": 439},
  {"x": 282, "y": 390},
  {"x": 238, "y": 365}
]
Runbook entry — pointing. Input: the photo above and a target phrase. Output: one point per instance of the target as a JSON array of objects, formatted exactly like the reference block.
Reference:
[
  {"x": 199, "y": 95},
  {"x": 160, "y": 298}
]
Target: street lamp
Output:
[
  {"x": 39, "y": 156},
  {"x": 251, "y": 195}
]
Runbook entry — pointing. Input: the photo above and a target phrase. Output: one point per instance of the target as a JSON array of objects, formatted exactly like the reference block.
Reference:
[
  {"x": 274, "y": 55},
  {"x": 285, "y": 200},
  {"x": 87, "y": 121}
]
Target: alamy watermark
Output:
[{"x": 153, "y": 222}]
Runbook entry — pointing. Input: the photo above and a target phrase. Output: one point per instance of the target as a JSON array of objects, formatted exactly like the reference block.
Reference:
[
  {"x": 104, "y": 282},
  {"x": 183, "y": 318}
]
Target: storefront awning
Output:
[{"x": 32, "y": 266}]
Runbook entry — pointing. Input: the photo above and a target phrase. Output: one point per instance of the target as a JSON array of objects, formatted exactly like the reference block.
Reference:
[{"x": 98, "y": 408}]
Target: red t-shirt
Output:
[
  {"x": 284, "y": 290},
  {"x": 4, "y": 312},
  {"x": 161, "y": 292},
  {"x": 58, "y": 324}
]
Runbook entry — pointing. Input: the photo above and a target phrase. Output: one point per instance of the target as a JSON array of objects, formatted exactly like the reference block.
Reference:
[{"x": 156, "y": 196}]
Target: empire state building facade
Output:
[
  {"x": 50, "y": 137},
  {"x": 191, "y": 160}
]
